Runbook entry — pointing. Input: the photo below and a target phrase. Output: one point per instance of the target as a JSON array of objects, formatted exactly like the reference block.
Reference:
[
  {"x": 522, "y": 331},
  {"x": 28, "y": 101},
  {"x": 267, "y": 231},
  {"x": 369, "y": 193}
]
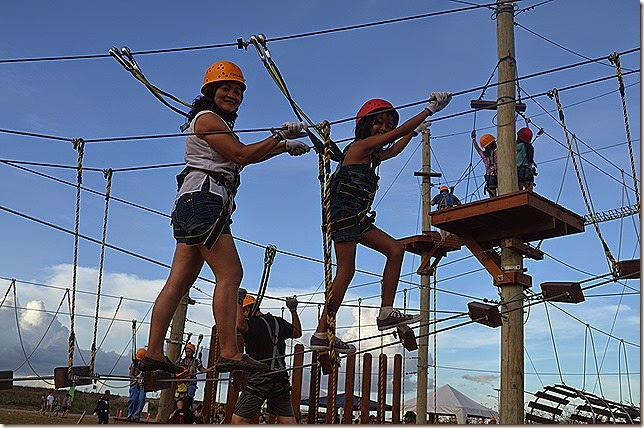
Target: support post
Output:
[
  {"x": 512, "y": 334},
  {"x": 349, "y": 380},
  {"x": 423, "y": 339},
  {"x": 365, "y": 402},
  {"x": 166, "y": 401}
]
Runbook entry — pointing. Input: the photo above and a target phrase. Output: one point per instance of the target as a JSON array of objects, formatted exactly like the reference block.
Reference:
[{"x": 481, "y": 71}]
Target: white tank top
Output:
[{"x": 200, "y": 155}]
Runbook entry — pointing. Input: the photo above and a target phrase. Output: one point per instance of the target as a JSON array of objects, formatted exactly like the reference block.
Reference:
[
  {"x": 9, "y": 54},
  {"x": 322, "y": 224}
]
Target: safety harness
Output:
[
  {"x": 262, "y": 386},
  {"x": 365, "y": 217},
  {"x": 276, "y": 363},
  {"x": 210, "y": 236}
]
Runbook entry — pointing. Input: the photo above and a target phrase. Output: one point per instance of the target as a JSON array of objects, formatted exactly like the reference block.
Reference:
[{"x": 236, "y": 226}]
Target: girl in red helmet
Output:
[
  {"x": 201, "y": 216},
  {"x": 526, "y": 168},
  {"x": 353, "y": 187}
]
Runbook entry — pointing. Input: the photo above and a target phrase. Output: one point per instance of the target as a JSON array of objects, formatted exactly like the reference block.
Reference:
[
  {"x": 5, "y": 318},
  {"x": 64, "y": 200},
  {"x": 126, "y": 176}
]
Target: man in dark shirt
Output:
[
  {"x": 102, "y": 409},
  {"x": 264, "y": 337}
]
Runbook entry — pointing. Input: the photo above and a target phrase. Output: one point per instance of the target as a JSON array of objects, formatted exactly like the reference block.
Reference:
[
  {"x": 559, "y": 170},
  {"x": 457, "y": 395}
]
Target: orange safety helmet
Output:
[
  {"x": 223, "y": 71},
  {"x": 248, "y": 300},
  {"x": 486, "y": 140},
  {"x": 444, "y": 188},
  {"x": 374, "y": 105},
  {"x": 191, "y": 347},
  {"x": 141, "y": 353}
]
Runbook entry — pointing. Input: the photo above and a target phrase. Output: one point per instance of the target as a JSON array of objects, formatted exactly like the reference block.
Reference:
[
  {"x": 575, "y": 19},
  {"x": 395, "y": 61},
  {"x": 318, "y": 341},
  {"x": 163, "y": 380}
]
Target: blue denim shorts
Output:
[{"x": 198, "y": 219}]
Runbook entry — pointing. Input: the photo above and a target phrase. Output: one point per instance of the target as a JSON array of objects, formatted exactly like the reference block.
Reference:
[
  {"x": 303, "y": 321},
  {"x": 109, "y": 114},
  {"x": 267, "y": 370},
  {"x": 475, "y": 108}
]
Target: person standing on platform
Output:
[{"x": 203, "y": 207}]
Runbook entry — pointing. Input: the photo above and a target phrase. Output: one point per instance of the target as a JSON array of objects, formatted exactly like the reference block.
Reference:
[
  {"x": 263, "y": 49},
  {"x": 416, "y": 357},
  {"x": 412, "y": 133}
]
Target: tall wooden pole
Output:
[
  {"x": 423, "y": 340},
  {"x": 512, "y": 336},
  {"x": 166, "y": 401}
]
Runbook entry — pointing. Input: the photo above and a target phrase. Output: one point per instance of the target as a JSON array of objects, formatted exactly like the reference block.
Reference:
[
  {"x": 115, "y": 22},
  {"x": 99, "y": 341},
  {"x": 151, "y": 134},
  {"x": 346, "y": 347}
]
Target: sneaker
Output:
[
  {"x": 318, "y": 344},
  {"x": 246, "y": 364},
  {"x": 148, "y": 365},
  {"x": 396, "y": 318}
]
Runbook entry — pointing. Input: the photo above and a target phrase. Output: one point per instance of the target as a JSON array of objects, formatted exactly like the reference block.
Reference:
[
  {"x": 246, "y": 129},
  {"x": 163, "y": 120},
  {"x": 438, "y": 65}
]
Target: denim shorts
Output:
[{"x": 198, "y": 217}]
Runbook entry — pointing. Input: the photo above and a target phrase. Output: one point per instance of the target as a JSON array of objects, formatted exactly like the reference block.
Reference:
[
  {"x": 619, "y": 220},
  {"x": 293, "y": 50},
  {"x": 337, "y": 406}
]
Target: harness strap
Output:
[
  {"x": 364, "y": 219},
  {"x": 275, "y": 340},
  {"x": 354, "y": 191},
  {"x": 220, "y": 178}
]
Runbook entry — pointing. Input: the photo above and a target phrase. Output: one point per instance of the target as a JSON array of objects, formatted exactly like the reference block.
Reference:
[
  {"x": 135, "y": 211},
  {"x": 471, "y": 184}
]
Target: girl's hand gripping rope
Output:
[{"x": 296, "y": 147}]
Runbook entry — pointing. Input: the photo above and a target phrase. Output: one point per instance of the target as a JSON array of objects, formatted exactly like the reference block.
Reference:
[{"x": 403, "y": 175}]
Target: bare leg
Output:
[
  {"x": 186, "y": 265},
  {"x": 383, "y": 243},
  {"x": 345, "y": 254},
  {"x": 225, "y": 264},
  {"x": 286, "y": 420},
  {"x": 238, "y": 420}
]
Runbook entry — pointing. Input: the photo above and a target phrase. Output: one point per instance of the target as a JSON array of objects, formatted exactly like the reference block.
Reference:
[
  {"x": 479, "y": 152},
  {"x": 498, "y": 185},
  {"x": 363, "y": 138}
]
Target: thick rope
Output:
[
  {"x": 609, "y": 256},
  {"x": 326, "y": 221},
  {"x": 79, "y": 145},
  {"x": 108, "y": 188},
  {"x": 614, "y": 58}
]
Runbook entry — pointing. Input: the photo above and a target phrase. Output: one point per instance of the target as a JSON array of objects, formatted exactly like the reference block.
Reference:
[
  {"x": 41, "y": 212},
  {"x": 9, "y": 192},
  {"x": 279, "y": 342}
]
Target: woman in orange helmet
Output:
[
  {"x": 487, "y": 151},
  {"x": 353, "y": 186},
  {"x": 201, "y": 215}
]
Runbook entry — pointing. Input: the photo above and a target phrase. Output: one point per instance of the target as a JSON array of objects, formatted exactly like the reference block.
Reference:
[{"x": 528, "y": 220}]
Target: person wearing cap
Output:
[
  {"x": 445, "y": 199},
  {"x": 192, "y": 366},
  {"x": 136, "y": 398},
  {"x": 352, "y": 191},
  {"x": 201, "y": 216},
  {"x": 526, "y": 168},
  {"x": 487, "y": 151},
  {"x": 265, "y": 340}
]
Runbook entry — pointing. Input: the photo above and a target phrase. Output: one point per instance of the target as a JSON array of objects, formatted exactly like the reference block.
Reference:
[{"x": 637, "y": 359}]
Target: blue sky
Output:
[{"x": 330, "y": 76}]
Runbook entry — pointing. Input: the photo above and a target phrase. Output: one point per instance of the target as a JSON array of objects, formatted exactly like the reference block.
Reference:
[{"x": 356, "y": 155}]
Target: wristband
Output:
[{"x": 278, "y": 136}]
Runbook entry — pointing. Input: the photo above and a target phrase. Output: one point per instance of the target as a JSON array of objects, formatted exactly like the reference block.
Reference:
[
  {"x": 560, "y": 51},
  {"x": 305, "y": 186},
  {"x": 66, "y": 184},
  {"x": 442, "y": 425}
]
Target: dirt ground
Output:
[{"x": 18, "y": 416}]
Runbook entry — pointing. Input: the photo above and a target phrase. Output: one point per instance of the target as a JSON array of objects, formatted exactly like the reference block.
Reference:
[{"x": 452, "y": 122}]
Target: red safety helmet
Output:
[
  {"x": 525, "y": 135},
  {"x": 374, "y": 105}
]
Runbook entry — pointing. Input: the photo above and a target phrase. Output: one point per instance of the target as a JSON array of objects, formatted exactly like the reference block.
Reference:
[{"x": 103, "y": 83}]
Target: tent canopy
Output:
[
  {"x": 339, "y": 402},
  {"x": 450, "y": 401}
]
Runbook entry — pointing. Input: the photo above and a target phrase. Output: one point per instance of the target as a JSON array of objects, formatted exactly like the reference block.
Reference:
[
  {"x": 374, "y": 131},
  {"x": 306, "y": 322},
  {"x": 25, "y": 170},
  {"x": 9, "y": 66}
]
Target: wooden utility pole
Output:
[
  {"x": 512, "y": 294},
  {"x": 423, "y": 340},
  {"x": 166, "y": 401}
]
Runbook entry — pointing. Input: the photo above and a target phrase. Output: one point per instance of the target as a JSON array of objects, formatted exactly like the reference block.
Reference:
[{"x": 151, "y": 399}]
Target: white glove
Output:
[
  {"x": 290, "y": 130},
  {"x": 438, "y": 101},
  {"x": 296, "y": 147},
  {"x": 420, "y": 128}
]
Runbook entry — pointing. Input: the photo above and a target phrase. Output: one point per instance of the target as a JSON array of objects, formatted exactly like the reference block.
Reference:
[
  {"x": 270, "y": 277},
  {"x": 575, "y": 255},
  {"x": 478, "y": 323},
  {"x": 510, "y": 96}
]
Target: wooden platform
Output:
[
  {"x": 430, "y": 244},
  {"x": 426, "y": 242},
  {"x": 523, "y": 213}
]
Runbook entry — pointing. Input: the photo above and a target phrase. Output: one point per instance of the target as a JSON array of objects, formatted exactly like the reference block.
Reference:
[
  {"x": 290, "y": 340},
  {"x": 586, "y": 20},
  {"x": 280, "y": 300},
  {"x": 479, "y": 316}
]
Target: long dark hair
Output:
[
  {"x": 363, "y": 128},
  {"x": 207, "y": 102}
]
